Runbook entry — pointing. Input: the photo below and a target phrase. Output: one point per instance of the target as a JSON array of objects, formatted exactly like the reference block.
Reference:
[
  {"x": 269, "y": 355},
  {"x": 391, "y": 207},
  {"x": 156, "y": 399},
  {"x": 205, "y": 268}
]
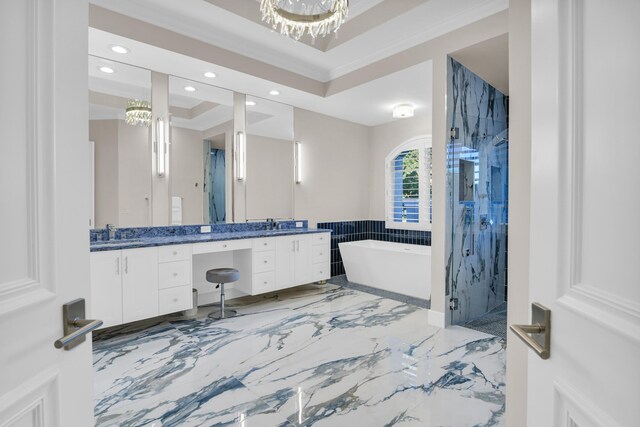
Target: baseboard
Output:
[{"x": 436, "y": 318}]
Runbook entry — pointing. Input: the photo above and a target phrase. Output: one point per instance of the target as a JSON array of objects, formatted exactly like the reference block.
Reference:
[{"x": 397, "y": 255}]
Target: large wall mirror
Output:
[
  {"x": 201, "y": 185},
  {"x": 121, "y": 151},
  {"x": 201, "y": 137},
  {"x": 270, "y": 142}
]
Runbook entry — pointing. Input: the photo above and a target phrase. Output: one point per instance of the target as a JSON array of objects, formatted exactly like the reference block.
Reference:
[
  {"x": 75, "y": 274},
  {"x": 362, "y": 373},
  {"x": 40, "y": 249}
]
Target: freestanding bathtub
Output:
[{"x": 396, "y": 267}]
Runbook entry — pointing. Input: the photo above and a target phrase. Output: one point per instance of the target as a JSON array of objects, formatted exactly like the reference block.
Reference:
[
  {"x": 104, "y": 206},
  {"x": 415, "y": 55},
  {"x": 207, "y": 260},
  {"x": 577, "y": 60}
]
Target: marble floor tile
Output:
[{"x": 324, "y": 355}]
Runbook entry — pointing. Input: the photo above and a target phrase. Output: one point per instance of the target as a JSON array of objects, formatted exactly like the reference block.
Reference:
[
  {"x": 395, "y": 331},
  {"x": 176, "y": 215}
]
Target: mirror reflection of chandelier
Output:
[
  {"x": 138, "y": 112},
  {"x": 296, "y": 17}
]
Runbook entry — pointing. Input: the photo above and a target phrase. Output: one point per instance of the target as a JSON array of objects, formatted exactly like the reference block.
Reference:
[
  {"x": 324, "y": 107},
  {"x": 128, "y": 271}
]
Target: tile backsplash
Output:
[{"x": 351, "y": 231}]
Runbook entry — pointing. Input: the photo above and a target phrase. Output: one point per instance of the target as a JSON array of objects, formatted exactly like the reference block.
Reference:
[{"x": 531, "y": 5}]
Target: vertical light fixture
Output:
[
  {"x": 240, "y": 155},
  {"x": 297, "y": 153},
  {"x": 161, "y": 148}
]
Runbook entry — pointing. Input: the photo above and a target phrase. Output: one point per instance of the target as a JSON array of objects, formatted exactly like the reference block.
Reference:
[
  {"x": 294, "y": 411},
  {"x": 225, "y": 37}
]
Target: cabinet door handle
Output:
[
  {"x": 265, "y": 243},
  {"x": 297, "y": 245},
  {"x": 175, "y": 252},
  {"x": 293, "y": 246},
  {"x": 266, "y": 262},
  {"x": 118, "y": 266},
  {"x": 126, "y": 265}
]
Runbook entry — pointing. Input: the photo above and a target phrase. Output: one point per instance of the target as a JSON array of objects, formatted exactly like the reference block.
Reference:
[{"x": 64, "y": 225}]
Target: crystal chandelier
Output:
[
  {"x": 138, "y": 112},
  {"x": 297, "y": 17}
]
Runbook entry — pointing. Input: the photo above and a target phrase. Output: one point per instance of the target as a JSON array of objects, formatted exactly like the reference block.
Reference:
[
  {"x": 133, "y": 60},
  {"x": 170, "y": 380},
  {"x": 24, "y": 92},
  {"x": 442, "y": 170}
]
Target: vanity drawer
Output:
[
  {"x": 263, "y": 282},
  {"x": 175, "y": 299},
  {"x": 321, "y": 271},
  {"x": 266, "y": 244},
  {"x": 174, "y": 253},
  {"x": 321, "y": 238},
  {"x": 321, "y": 253},
  {"x": 264, "y": 261},
  {"x": 222, "y": 246},
  {"x": 172, "y": 274}
]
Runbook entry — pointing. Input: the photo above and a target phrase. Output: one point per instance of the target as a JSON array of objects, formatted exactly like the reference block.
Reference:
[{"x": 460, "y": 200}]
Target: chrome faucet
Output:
[
  {"x": 112, "y": 231},
  {"x": 271, "y": 224}
]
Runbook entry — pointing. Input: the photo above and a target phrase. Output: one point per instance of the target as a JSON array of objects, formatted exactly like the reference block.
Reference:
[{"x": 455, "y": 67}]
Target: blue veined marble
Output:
[
  {"x": 315, "y": 355},
  {"x": 180, "y": 239},
  {"x": 216, "y": 181},
  {"x": 477, "y": 194}
]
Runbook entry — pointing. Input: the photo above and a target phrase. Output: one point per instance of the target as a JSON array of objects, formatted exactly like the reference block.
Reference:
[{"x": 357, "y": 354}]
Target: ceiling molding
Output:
[{"x": 116, "y": 23}]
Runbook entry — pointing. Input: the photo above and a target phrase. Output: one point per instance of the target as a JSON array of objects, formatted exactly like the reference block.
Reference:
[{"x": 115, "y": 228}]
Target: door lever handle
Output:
[
  {"x": 76, "y": 327},
  {"x": 537, "y": 335}
]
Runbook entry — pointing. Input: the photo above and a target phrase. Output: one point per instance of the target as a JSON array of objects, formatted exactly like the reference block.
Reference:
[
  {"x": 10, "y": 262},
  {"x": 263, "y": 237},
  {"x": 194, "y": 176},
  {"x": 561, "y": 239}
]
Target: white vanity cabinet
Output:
[
  {"x": 106, "y": 287},
  {"x": 293, "y": 260},
  {"x": 139, "y": 284},
  {"x": 321, "y": 257}
]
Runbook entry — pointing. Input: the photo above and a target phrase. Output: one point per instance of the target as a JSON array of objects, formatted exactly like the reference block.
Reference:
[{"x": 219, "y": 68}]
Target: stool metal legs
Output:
[{"x": 223, "y": 313}]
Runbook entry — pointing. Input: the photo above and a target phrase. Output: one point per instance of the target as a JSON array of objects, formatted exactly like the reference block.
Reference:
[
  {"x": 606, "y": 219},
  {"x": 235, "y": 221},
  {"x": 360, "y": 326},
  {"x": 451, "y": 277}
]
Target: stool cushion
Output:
[{"x": 223, "y": 275}]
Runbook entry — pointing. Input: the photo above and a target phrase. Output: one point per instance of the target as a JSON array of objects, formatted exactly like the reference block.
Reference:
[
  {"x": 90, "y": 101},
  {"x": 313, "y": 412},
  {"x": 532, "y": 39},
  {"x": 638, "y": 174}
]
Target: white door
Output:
[
  {"x": 285, "y": 258},
  {"x": 44, "y": 187},
  {"x": 585, "y": 212}
]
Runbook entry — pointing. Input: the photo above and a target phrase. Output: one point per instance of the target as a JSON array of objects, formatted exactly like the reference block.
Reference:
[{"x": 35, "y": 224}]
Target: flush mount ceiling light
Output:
[
  {"x": 274, "y": 92},
  {"x": 119, "y": 49},
  {"x": 107, "y": 70},
  {"x": 210, "y": 74},
  {"x": 138, "y": 113},
  {"x": 297, "y": 17},
  {"x": 190, "y": 88},
  {"x": 402, "y": 111}
]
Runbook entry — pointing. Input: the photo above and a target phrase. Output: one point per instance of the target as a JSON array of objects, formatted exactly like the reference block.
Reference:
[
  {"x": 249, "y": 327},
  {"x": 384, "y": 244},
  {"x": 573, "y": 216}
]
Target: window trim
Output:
[{"x": 422, "y": 143}]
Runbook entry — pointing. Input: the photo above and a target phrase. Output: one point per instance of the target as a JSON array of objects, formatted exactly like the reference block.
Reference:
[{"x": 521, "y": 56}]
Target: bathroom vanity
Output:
[{"x": 141, "y": 278}]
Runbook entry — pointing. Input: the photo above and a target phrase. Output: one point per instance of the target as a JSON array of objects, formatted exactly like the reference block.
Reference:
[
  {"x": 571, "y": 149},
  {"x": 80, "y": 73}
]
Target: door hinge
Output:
[
  {"x": 453, "y": 304},
  {"x": 454, "y": 133}
]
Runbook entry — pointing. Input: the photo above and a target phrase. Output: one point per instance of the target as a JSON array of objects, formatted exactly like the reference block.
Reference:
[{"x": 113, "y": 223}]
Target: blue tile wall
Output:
[
  {"x": 183, "y": 230},
  {"x": 351, "y": 231}
]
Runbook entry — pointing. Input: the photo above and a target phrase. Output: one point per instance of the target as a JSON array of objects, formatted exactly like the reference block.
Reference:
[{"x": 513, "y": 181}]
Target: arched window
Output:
[{"x": 408, "y": 185}]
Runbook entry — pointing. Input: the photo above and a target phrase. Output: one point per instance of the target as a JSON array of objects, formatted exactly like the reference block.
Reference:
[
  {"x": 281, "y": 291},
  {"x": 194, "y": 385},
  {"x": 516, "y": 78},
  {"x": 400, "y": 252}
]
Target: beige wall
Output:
[
  {"x": 187, "y": 176},
  {"x": 335, "y": 167},
  {"x": 385, "y": 138},
  {"x": 105, "y": 135},
  {"x": 519, "y": 193},
  {"x": 134, "y": 175},
  {"x": 269, "y": 178}
]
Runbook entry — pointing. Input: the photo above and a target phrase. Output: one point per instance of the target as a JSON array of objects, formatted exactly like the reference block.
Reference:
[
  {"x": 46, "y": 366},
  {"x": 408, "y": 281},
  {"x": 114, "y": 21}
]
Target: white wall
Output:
[
  {"x": 519, "y": 194},
  {"x": 384, "y": 138},
  {"x": 335, "y": 167},
  {"x": 187, "y": 171}
]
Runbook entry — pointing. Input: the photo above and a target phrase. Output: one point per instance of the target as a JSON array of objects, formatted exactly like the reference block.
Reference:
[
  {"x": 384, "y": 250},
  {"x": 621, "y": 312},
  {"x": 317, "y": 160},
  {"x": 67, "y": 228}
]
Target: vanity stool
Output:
[{"x": 221, "y": 276}]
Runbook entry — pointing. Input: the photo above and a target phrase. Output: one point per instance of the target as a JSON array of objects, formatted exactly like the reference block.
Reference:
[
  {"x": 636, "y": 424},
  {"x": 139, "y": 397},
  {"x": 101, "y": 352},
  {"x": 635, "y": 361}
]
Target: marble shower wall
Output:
[{"x": 477, "y": 194}]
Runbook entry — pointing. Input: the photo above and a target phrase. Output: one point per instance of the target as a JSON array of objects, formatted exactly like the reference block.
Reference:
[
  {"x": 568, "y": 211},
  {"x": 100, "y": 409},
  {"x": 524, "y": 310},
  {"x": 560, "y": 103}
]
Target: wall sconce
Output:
[
  {"x": 240, "y": 156},
  {"x": 161, "y": 148},
  {"x": 297, "y": 153}
]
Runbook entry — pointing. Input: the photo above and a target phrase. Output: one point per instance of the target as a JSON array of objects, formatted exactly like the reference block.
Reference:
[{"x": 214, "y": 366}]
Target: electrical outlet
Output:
[
  {"x": 205, "y": 229},
  {"x": 299, "y": 224}
]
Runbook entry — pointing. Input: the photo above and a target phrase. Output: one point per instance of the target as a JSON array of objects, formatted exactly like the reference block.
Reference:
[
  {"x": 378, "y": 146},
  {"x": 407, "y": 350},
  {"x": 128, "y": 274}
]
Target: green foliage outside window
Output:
[{"x": 410, "y": 165}]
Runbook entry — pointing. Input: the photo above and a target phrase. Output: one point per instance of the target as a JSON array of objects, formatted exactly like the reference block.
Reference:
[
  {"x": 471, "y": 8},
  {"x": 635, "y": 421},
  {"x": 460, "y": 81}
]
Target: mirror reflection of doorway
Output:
[{"x": 214, "y": 180}]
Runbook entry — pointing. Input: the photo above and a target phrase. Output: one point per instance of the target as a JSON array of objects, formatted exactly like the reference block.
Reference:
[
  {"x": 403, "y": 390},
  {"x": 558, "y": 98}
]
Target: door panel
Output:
[
  {"x": 285, "y": 255},
  {"x": 303, "y": 260},
  {"x": 584, "y": 212},
  {"x": 106, "y": 287},
  {"x": 139, "y": 284},
  {"x": 44, "y": 188}
]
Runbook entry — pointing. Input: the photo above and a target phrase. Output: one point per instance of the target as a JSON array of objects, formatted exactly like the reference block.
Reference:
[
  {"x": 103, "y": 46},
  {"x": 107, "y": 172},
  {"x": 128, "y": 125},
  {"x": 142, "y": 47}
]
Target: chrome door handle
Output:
[
  {"x": 540, "y": 328},
  {"x": 126, "y": 265},
  {"x": 76, "y": 327},
  {"x": 118, "y": 266}
]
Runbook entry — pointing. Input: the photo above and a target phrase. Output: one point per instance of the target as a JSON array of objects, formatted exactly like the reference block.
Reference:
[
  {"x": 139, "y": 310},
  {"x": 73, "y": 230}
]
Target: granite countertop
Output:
[{"x": 144, "y": 242}]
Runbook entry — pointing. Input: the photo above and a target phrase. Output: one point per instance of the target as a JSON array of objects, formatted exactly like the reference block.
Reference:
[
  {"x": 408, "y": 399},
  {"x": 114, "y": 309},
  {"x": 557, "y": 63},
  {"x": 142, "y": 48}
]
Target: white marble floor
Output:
[{"x": 317, "y": 355}]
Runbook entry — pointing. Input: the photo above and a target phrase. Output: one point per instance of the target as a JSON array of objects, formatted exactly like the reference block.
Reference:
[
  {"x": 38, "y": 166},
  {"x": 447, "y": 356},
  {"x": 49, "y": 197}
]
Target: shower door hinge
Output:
[
  {"x": 453, "y": 304},
  {"x": 454, "y": 133}
]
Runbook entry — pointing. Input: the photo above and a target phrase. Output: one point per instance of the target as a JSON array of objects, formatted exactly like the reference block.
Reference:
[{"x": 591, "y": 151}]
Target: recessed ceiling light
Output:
[
  {"x": 274, "y": 92},
  {"x": 119, "y": 49},
  {"x": 210, "y": 74},
  {"x": 251, "y": 103},
  {"x": 107, "y": 70},
  {"x": 190, "y": 88}
]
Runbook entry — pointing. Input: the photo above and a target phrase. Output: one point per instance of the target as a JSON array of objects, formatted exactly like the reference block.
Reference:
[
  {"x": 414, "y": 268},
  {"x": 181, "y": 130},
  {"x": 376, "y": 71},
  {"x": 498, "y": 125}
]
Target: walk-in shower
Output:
[{"x": 477, "y": 196}]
